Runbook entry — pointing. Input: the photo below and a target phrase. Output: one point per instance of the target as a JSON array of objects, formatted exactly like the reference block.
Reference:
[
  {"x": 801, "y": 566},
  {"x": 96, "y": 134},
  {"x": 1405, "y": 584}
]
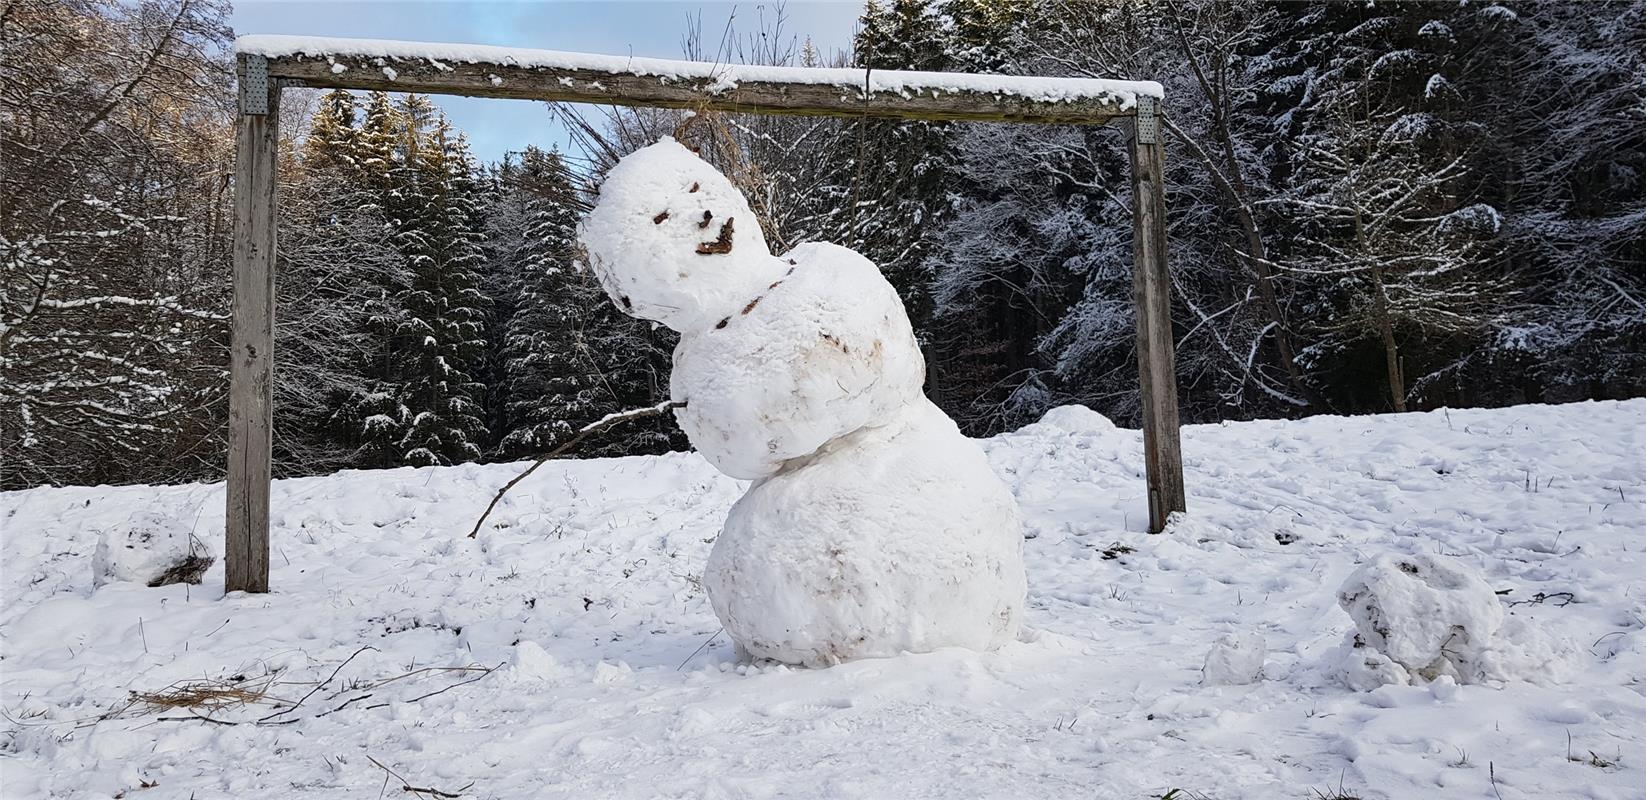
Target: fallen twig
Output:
[
  {"x": 582, "y": 433},
  {"x": 698, "y": 650},
  {"x": 343, "y": 705},
  {"x": 407, "y": 787},
  {"x": 484, "y": 671},
  {"x": 1561, "y": 599},
  {"x": 195, "y": 715},
  {"x": 414, "y": 673},
  {"x": 455, "y": 685},
  {"x": 317, "y": 687}
]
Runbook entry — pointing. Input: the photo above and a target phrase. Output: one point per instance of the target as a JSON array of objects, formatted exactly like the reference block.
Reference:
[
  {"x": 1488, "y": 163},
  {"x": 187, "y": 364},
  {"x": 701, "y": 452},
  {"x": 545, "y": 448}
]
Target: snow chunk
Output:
[
  {"x": 607, "y": 673},
  {"x": 1236, "y": 659},
  {"x": 1425, "y": 616},
  {"x": 533, "y": 663},
  {"x": 154, "y": 549},
  {"x": 1432, "y": 616},
  {"x": 1364, "y": 669}
]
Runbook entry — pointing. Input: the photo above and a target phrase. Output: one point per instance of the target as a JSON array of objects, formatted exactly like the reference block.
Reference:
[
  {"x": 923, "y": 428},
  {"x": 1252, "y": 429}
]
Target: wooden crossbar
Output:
[{"x": 520, "y": 74}]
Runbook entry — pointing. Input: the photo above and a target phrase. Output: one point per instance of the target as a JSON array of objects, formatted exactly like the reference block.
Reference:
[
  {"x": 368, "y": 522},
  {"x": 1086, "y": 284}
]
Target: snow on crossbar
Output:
[{"x": 506, "y": 72}]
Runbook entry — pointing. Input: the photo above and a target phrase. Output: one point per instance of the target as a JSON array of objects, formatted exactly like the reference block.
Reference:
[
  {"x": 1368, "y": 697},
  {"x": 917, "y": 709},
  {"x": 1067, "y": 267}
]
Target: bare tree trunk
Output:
[
  {"x": 1385, "y": 326},
  {"x": 1257, "y": 259},
  {"x": 1233, "y": 182},
  {"x": 1391, "y": 351}
]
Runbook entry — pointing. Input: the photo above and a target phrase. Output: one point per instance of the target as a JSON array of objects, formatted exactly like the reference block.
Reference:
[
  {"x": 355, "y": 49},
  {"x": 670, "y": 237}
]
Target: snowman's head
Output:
[{"x": 672, "y": 240}]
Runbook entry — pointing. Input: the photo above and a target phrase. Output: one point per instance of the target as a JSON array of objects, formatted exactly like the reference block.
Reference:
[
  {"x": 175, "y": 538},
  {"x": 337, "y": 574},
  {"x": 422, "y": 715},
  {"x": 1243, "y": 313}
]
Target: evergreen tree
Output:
[
  {"x": 335, "y": 262},
  {"x": 376, "y": 415},
  {"x": 333, "y": 142},
  {"x": 568, "y": 356},
  {"x": 504, "y": 236},
  {"x": 1572, "y": 101},
  {"x": 550, "y": 388},
  {"x": 895, "y": 175},
  {"x": 441, "y": 340}
]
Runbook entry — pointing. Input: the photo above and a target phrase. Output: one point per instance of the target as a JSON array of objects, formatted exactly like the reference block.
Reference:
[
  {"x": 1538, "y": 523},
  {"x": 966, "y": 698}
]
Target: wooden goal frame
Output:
[{"x": 267, "y": 65}]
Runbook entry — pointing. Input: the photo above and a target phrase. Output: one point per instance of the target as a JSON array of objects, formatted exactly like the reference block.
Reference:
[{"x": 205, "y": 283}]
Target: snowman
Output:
[{"x": 871, "y": 527}]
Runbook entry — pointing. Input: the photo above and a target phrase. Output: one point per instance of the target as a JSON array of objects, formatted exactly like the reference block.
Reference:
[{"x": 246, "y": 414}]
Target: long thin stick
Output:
[
  {"x": 317, "y": 687},
  {"x": 407, "y": 787},
  {"x": 582, "y": 433}
]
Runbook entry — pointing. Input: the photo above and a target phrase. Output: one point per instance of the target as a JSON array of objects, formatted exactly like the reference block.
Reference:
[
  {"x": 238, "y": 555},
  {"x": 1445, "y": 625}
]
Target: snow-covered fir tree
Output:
[
  {"x": 548, "y": 383},
  {"x": 336, "y": 266},
  {"x": 567, "y": 357},
  {"x": 439, "y": 343}
]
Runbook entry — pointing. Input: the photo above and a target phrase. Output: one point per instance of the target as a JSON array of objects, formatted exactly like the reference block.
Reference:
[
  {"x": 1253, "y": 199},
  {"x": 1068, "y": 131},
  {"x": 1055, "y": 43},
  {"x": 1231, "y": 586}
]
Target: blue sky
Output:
[{"x": 622, "y": 27}]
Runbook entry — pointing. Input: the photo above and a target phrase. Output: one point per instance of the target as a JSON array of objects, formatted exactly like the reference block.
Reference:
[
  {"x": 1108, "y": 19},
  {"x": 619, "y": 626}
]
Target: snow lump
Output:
[
  {"x": 873, "y": 526},
  {"x": 1235, "y": 659},
  {"x": 153, "y": 549},
  {"x": 1422, "y": 617}
]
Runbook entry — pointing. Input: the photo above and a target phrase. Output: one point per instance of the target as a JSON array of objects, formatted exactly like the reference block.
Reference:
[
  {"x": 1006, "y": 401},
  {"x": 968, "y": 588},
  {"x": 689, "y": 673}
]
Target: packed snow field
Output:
[{"x": 611, "y": 680}]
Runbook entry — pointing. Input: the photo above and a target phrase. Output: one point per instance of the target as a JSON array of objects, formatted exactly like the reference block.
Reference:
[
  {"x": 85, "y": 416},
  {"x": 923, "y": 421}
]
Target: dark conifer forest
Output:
[{"x": 1374, "y": 208}]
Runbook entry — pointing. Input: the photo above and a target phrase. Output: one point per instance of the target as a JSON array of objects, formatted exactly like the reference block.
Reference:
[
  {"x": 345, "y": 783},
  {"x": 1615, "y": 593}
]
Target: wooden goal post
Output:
[{"x": 268, "y": 64}]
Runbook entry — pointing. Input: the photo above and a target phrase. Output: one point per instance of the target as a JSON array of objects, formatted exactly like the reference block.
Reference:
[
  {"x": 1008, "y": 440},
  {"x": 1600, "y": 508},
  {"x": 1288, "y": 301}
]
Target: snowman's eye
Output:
[{"x": 658, "y": 220}]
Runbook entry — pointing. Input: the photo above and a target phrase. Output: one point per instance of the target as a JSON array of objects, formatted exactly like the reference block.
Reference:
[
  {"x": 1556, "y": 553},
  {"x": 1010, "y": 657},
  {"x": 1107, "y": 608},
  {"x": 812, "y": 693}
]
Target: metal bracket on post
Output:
[
  {"x": 254, "y": 85},
  {"x": 1148, "y": 120}
]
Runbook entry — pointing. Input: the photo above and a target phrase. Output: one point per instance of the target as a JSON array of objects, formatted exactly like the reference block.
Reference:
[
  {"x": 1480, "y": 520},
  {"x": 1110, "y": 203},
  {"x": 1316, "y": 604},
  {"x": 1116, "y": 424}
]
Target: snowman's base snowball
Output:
[
  {"x": 152, "y": 549},
  {"x": 896, "y": 538}
]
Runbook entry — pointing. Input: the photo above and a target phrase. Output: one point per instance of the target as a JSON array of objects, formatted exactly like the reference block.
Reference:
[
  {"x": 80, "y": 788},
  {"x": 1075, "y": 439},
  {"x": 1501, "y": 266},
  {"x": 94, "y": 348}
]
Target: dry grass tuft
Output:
[
  {"x": 190, "y": 569},
  {"x": 208, "y": 694}
]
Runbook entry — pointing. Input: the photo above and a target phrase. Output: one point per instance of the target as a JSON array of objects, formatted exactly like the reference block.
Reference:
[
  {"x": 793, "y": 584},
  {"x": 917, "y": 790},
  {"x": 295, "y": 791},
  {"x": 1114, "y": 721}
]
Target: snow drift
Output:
[{"x": 613, "y": 681}]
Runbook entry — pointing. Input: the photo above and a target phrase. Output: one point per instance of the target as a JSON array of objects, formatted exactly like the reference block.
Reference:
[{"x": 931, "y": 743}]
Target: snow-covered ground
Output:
[{"x": 611, "y": 681}]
